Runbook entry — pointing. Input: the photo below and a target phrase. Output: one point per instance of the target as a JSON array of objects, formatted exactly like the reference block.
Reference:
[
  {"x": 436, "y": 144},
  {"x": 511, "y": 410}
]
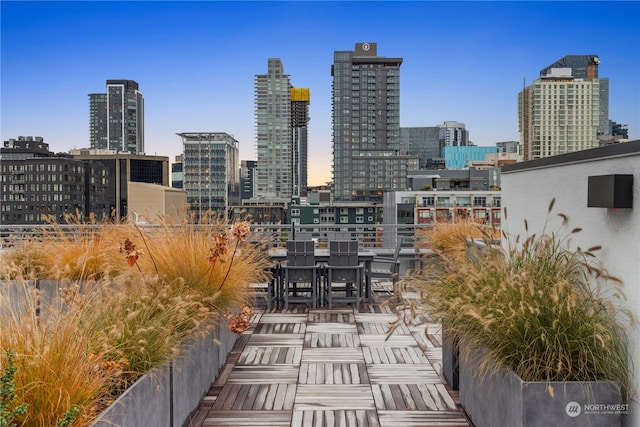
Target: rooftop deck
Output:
[{"x": 320, "y": 367}]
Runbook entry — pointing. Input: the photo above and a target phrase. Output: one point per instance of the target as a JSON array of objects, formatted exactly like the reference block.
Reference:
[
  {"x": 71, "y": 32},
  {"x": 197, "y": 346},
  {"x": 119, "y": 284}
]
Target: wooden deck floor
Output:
[{"x": 331, "y": 368}]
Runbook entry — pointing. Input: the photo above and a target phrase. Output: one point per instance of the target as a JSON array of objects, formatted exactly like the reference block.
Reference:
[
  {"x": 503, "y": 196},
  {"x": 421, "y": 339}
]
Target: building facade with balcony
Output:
[
  {"x": 282, "y": 115},
  {"x": 116, "y": 118},
  {"x": 211, "y": 172},
  {"x": 367, "y": 155},
  {"x": 431, "y": 207},
  {"x": 38, "y": 185},
  {"x": 565, "y": 110}
]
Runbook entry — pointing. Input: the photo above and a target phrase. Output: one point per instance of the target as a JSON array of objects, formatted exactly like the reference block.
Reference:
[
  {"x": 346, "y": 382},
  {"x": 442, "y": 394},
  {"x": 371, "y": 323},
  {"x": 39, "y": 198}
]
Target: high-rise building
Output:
[
  {"x": 177, "y": 172},
  {"x": 367, "y": 155},
  {"x": 428, "y": 143},
  {"x": 282, "y": 114},
  {"x": 299, "y": 140},
  {"x": 211, "y": 172},
  {"x": 424, "y": 142},
  {"x": 453, "y": 134},
  {"x": 116, "y": 118},
  {"x": 564, "y": 110},
  {"x": 248, "y": 179}
]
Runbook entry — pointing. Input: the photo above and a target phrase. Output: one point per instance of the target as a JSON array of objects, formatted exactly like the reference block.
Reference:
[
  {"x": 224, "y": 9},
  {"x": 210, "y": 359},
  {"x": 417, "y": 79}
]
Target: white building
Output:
[{"x": 561, "y": 111}]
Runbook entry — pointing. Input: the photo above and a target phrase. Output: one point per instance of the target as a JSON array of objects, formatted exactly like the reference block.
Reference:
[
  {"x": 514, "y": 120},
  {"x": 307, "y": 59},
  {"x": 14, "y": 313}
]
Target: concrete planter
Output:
[
  {"x": 450, "y": 355},
  {"x": 504, "y": 399},
  {"x": 167, "y": 396}
]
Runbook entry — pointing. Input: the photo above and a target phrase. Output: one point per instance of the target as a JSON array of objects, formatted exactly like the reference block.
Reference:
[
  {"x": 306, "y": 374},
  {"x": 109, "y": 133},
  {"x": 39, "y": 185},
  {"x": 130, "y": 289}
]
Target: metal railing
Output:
[{"x": 374, "y": 236}]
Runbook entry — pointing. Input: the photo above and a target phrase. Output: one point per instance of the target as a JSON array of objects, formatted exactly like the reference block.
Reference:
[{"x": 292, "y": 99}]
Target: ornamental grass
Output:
[
  {"x": 126, "y": 297},
  {"x": 545, "y": 311},
  {"x": 55, "y": 374}
]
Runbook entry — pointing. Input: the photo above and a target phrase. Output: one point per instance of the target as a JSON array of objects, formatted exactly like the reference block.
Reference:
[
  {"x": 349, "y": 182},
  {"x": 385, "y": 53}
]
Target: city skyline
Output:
[{"x": 195, "y": 63}]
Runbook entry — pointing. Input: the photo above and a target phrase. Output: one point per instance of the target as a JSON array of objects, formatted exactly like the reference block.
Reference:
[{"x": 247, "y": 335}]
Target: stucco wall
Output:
[
  {"x": 150, "y": 200},
  {"x": 527, "y": 192}
]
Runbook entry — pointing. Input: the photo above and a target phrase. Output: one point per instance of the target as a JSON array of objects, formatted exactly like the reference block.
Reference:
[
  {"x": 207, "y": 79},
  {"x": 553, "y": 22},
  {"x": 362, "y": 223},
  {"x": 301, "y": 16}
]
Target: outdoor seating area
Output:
[{"x": 320, "y": 277}]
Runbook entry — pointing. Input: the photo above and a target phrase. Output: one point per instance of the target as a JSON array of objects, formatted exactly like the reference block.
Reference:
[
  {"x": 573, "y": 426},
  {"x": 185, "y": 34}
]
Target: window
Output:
[
  {"x": 359, "y": 220},
  {"x": 427, "y": 201},
  {"x": 295, "y": 212},
  {"x": 444, "y": 201},
  {"x": 480, "y": 201},
  {"x": 344, "y": 220}
]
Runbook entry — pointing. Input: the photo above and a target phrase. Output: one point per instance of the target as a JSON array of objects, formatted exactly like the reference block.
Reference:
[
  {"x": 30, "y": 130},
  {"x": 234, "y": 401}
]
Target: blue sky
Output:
[{"x": 195, "y": 62}]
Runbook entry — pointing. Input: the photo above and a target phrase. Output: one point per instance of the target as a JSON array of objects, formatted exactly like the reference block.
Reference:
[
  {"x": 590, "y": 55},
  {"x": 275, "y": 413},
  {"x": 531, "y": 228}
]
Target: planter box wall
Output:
[
  {"x": 167, "y": 396},
  {"x": 504, "y": 399},
  {"x": 450, "y": 354},
  {"x": 146, "y": 403},
  {"x": 194, "y": 372}
]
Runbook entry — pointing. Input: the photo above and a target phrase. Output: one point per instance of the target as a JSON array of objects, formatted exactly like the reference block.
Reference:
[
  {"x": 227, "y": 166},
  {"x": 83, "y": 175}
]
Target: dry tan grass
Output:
[
  {"x": 210, "y": 259},
  {"x": 545, "y": 311},
  {"x": 75, "y": 251},
  {"x": 55, "y": 369},
  {"x": 144, "y": 290},
  {"x": 451, "y": 238}
]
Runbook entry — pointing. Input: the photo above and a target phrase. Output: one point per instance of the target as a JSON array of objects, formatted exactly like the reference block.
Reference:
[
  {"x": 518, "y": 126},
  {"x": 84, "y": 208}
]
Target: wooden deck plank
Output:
[
  {"x": 402, "y": 374},
  {"x": 276, "y": 339},
  {"x": 280, "y": 328},
  {"x": 375, "y": 318},
  {"x": 284, "y": 318},
  {"x": 325, "y": 396},
  {"x": 332, "y": 328},
  {"x": 251, "y": 396},
  {"x": 392, "y": 341},
  {"x": 335, "y": 355},
  {"x": 346, "y": 418},
  {"x": 333, "y": 373},
  {"x": 248, "y": 419},
  {"x": 421, "y": 419},
  {"x": 326, "y": 340},
  {"x": 264, "y": 374}
]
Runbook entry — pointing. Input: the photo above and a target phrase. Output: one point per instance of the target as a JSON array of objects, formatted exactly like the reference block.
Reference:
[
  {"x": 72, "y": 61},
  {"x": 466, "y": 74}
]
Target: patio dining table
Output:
[{"x": 365, "y": 256}]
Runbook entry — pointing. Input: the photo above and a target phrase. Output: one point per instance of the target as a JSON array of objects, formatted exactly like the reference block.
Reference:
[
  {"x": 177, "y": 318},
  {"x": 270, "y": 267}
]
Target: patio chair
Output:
[
  {"x": 344, "y": 273},
  {"x": 385, "y": 271},
  {"x": 301, "y": 274}
]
